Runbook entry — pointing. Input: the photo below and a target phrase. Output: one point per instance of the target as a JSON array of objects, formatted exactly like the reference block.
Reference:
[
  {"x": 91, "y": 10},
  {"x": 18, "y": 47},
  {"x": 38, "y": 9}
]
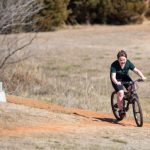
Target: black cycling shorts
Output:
[{"x": 120, "y": 87}]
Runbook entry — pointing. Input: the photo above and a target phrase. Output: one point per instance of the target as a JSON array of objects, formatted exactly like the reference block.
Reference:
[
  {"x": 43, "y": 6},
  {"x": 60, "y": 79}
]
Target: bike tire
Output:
[
  {"x": 137, "y": 111},
  {"x": 113, "y": 106}
]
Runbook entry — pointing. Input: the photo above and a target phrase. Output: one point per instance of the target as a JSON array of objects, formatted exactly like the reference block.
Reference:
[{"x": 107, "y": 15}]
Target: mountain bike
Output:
[{"x": 130, "y": 97}]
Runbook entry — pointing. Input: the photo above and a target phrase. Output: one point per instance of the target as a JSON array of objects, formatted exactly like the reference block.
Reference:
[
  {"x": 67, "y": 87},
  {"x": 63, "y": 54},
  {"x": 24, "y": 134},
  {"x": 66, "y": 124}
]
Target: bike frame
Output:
[{"x": 131, "y": 93}]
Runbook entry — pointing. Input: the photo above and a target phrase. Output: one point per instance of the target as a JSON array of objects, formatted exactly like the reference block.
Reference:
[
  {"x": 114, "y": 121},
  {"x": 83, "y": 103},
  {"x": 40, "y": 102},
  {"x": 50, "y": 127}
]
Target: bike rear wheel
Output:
[
  {"x": 114, "y": 106},
  {"x": 137, "y": 111}
]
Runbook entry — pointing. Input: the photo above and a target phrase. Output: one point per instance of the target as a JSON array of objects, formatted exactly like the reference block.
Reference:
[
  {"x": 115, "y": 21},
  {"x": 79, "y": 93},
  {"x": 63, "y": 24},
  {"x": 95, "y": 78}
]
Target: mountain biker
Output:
[{"x": 119, "y": 73}]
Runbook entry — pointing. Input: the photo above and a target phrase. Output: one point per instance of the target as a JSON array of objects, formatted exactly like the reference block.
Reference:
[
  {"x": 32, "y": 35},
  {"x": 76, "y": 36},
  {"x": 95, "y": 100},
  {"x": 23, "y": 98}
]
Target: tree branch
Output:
[
  {"x": 15, "y": 14},
  {"x": 15, "y": 51}
]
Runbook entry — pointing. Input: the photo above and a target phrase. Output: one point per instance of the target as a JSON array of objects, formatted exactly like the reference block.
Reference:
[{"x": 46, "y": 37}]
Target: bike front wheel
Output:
[
  {"x": 137, "y": 111},
  {"x": 114, "y": 106}
]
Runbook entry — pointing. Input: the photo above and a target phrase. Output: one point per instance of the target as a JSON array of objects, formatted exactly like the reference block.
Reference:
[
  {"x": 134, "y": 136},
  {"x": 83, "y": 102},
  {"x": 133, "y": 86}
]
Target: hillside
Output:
[{"x": 69, "y": 77}]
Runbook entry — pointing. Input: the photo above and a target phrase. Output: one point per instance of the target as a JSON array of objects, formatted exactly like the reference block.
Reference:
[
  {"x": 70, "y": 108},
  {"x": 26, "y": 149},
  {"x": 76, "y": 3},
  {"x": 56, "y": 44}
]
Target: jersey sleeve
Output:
[
  {"x": 112, "y": 69},
  {"x": 132, "y": 66}
]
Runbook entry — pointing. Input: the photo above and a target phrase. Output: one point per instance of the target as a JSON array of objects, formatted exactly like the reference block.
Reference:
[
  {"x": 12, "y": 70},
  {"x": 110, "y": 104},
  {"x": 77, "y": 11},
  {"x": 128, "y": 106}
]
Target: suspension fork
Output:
[{"x": 133, "y": 95}]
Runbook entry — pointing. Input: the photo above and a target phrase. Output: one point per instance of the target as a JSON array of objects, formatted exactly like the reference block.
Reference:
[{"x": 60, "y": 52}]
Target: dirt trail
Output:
[{"x": 86, "y": 119}]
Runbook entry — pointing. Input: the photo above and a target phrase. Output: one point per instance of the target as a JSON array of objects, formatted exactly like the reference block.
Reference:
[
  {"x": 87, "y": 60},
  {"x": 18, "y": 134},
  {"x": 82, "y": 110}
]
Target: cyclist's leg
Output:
[{"x": 120, "y": 94}]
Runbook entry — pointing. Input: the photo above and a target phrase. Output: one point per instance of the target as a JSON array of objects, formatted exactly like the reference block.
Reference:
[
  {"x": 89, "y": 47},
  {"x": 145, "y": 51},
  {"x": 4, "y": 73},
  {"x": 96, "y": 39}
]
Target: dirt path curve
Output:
[{"x": 91, "y": 118}]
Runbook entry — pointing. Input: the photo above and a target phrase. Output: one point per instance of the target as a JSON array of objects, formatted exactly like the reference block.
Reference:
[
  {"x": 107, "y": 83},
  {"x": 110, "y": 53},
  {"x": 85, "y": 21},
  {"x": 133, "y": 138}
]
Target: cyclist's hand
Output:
[
  {"x": 118, "y": 83},
  {"x": 143, "y": 78}
]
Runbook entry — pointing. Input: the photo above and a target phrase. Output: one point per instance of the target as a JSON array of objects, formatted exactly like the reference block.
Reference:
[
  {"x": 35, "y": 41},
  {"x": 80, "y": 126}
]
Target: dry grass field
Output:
[
  {"x": 70, "y": 67},
  {"x": 43, "y": 126}
]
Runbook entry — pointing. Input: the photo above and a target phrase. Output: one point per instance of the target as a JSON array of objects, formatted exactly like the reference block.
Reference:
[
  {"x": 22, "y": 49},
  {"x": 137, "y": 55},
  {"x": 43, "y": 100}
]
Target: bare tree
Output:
[{"x": 15, "y": 15}]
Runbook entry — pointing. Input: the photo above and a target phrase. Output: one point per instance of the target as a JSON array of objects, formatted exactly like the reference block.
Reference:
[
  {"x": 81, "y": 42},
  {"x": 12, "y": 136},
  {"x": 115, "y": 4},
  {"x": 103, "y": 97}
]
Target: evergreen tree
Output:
[
  {"x": 82, "y": 11},
  {"x": 107, "y": 11},
  {"x": 148, "y": 10},
  {"x": 127, "y": 11},
  {"x": 53, "y": 15}
]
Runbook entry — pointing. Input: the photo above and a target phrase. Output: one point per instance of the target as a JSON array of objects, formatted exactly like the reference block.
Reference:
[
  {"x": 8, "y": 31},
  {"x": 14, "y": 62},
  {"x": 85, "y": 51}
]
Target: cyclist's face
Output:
[{"x": 122, "y": 60}]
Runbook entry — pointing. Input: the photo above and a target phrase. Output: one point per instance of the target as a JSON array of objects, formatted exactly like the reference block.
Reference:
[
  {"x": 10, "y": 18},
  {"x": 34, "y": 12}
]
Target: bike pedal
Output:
[{"x": 122, "y": 113}]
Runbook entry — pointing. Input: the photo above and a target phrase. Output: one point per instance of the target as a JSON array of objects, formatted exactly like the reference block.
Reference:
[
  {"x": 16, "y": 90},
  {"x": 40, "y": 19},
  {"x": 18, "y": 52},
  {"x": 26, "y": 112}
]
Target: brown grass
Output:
[
  {"x": 49, "y": 126},
  {"x": 71, "y": 67}
]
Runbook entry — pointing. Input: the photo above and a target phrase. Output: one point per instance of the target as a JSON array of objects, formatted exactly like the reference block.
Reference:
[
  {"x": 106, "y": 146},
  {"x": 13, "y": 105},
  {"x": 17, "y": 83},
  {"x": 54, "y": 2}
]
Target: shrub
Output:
[
  {"x": 127, "y": 11},
  {"x": 82, "y": 11},
  {"x": 107, "y": 11},
  {"x": 148, "y": 11},
  {"x": 53, "y": 15}
]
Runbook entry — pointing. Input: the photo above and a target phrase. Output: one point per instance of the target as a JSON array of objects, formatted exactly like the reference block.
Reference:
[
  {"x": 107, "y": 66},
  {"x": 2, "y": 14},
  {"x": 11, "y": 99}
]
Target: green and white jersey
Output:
[{"x": 121, "y": 73}]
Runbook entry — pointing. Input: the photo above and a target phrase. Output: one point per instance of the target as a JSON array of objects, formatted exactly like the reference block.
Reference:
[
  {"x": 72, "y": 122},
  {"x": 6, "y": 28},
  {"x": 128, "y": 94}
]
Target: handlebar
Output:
[
  {"x": 132, "y": 82},
  {"x": 132, "y": 86}
]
